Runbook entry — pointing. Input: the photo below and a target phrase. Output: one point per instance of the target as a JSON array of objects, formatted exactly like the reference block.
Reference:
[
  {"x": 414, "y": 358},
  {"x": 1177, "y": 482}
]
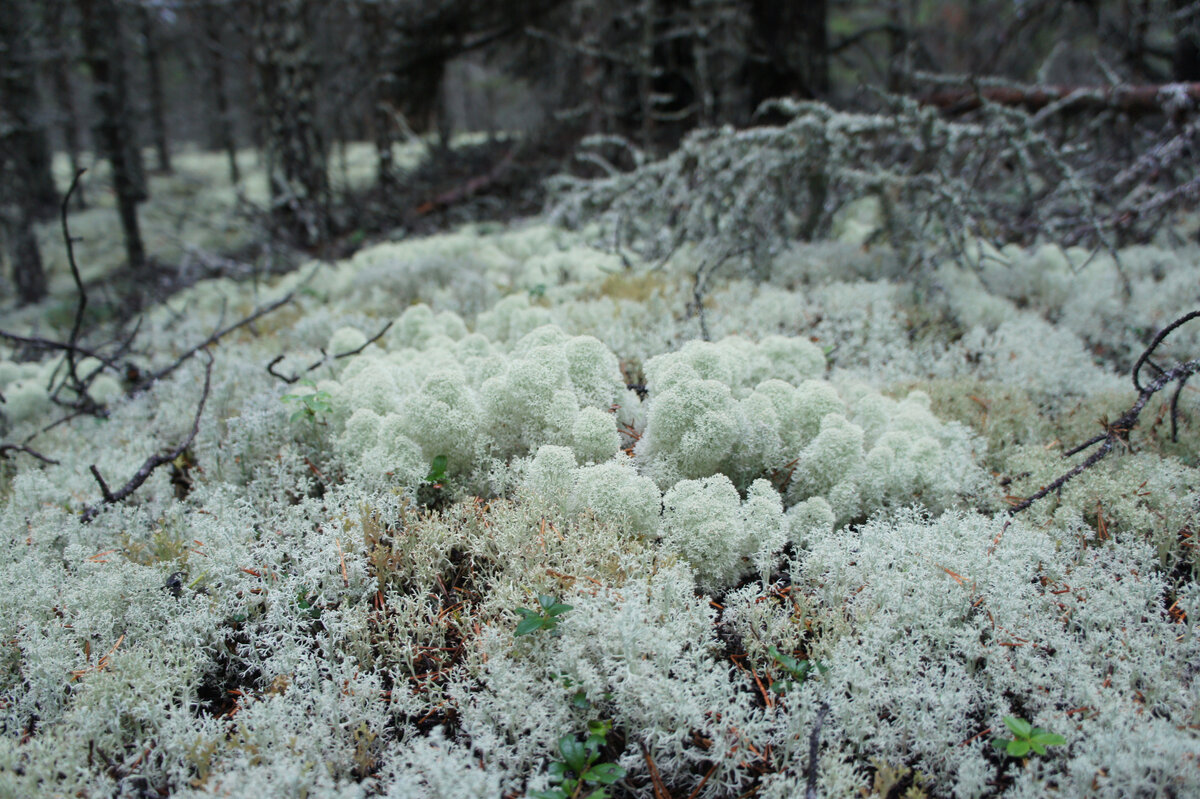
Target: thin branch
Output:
[
  {"x": 1158, "y": 339},
  {"x": 1117, "y": 432},
  {"x": 70, "y": 243},
  {"x": 324, "y": 358},
  {"x": 213, "y": 339},
  {"x": 814, "y": 746},
  {"x": 7, "y": 448},
  {"x": 154, "y": 461},
  {"x": 45, "y": 343}
]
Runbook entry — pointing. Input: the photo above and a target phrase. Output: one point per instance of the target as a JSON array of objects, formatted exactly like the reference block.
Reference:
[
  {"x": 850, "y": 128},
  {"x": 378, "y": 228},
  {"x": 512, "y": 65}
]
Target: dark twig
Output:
[
  {"x": 1162, "y": 334},
  {"x": 1175, "y": 407},
  {"x": 154, "y": 461},
  {"x": 47, "y": 344},
  {"x": 1117, "y": 432},
  {"x": 213, "y": 339},
  {"x": 324, "y": 358},
  {"x": 7, "y": 448},
  {"x": 814, "y": 746},
  {"x": 70, "y": 243}
]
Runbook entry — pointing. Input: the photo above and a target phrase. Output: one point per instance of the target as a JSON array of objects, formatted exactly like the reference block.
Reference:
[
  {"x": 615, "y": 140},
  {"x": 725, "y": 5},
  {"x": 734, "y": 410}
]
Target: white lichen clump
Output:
[{"x": 795, "y": 520}]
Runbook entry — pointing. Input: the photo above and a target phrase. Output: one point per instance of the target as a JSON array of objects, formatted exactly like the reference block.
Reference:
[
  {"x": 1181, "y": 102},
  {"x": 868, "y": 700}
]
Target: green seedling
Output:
[
  {"x": 546, "y": 618},
  {"x": 799, "y": 670},
  {"x": 309, "y": 406},
  {"x": 306, "y": 606},
  {"x": 578, "y": 770},
  {"x": 437, "y": 471},
  {"x": 1026, "y": 738}
]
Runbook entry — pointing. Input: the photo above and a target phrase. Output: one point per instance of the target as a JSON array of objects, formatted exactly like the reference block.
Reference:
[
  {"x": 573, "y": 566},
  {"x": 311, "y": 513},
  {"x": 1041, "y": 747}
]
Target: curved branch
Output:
[{"x": 154, "y": 461}]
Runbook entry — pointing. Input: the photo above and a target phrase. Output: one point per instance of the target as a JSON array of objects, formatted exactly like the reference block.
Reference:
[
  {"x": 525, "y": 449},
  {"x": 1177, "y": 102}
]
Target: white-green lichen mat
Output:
[{"x": 329, "y": 609}]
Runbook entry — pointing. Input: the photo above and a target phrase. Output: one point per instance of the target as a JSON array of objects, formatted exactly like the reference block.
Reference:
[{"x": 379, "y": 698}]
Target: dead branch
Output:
[
  {"x": 213, "y": 339},
  {"x": 7, "y": 448},
  {"x": 1118, "y": 431},
  {"x": 1132, "y": 100},
  {"x": 324, "y": 358},
  {"x": 814, "y": 746},
  {"x": 154, "y": 461},
  {"x": 468, "y": 189}
]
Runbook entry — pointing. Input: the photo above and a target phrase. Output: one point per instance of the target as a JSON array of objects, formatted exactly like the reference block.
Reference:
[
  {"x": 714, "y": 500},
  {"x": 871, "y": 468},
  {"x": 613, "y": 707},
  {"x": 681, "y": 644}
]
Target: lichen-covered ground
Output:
[{"x": 792, "y": 538}]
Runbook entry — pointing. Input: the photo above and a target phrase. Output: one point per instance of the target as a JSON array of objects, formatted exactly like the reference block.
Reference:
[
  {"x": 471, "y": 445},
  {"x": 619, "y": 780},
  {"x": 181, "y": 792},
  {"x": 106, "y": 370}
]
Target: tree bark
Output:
[
  {"x": 61, "y": 58},
  {"x": 795, "y": 42},
  {"x": 1133, "y": 100},
  {"x": 24, "y": 131},
  {"x": 295, "y": 150},
  {"x": 381, "y": 35},
  {"x": 158, "y": 111},
  {"x": 102, "y": 46},
  {"x": 24, "y": 154},
  {"x": 220, "y": 119}
]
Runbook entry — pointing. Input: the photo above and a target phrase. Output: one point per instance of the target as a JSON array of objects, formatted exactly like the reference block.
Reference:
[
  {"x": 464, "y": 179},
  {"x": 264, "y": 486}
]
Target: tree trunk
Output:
[
  {"x": 64, "y": 96},
  {"x": 158, "y": 112},
  {"x": 296, "y": 156},
  {"x": 23, "y": 130},
  {"x": 220, "y": 121},
  {"x": 795, "y": 49},
  {"x": 102, "y": 46},
  {"x": 24, "y": 154},
  {"x": 381, "y": 38}
]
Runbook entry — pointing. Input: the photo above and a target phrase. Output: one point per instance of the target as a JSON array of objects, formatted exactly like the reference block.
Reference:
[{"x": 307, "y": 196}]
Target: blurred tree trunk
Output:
[
  {"x": 1185, "y": 63},
  {"x": 220, "y": 120},
  {"x": 24, "y": 130},
  {"x": 381, "y": 34},
  {"x": 56, "y": 20},
  {"x": 26, "y": 183},
  {"x": 158, "y": 111},
  {"x": 102, "y": 46},
  {"x": 295, "y": 151},
  {"x": 795, "y": 42}
]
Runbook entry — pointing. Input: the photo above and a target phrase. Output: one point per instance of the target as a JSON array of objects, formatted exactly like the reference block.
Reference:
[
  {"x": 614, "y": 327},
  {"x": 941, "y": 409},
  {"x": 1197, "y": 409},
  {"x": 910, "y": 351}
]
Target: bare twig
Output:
[
  {"x": 7, "y": 448},
  {"x": 324, "y": 358},
  {"x": 154, "y": 461},
  {"x": 213, "y": 339},
  {"x": 1158, "y": 339},
  {"x": 1118, "y": 431},
  {"x": 814, "y": 746},
  {"x": 70, "y": 244}
]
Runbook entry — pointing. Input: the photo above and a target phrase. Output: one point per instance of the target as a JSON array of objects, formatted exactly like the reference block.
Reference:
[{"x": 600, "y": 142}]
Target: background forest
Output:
[{"x": 574, "y": 398}]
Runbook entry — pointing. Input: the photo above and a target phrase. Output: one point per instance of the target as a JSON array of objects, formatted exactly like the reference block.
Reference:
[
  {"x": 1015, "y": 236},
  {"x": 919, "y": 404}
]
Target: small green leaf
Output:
[
  {"x": 1050, "y": 739},
  {"x": 557, "y": 610},
  {"x": 1020, "y": 727},
  {"x": 574, "y": 753},
  {"x": 580, "y": 701},
  {"x": 600, "y": 727},
  {"x": 604, "y": 773},
  {"x": 1018, "y": 748},
  {"x": 437, "y": 469},
  {"x": 529, "y": 624}
]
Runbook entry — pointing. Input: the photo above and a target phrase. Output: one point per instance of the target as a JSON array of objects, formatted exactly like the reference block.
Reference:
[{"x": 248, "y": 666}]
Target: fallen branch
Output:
[
  {"x": 154, "y": 461},
  {"x": 468, "y": 189},
  {"x": 213, "y": 339},
  {"x": 1118, "y": 431},
  {"x": 324, "y": 358},
  {"x": 1133, "y": 100},
  {"x": 7, "y": 448},
  {"x": 814, "y": 746}
]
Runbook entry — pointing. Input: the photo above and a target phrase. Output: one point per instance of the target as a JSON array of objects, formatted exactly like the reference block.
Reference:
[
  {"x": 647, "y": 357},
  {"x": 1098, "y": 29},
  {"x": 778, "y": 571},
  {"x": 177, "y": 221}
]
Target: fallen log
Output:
[{"x": 1133, "y": 100}]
